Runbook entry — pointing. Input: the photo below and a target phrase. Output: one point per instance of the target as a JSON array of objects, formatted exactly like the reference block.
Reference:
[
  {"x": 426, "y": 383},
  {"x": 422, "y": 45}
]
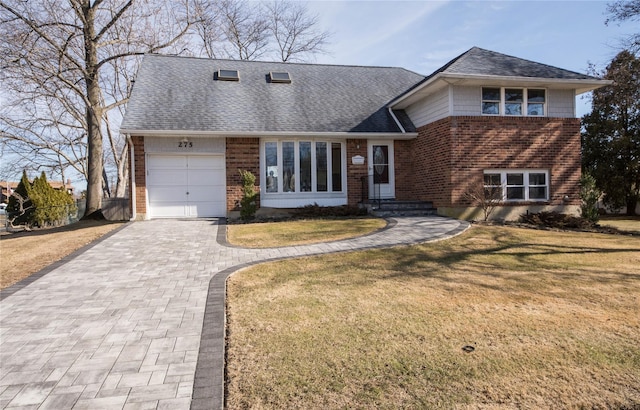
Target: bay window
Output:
[
  {"x": 517, "y": 185},
  {"x": 303, "y": 166}
]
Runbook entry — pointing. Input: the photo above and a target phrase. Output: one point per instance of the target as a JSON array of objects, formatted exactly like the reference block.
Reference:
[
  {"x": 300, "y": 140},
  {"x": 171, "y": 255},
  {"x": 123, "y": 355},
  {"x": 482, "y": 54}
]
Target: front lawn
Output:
[
  {"x": 552, "y": 319},
  {"x": 621, "y": 222},
  {"x": 270, "y": 234}
]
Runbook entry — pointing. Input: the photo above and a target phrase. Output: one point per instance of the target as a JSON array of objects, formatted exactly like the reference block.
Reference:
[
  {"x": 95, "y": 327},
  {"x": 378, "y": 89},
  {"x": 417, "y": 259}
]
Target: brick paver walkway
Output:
[{"x": 120, "y": 326}]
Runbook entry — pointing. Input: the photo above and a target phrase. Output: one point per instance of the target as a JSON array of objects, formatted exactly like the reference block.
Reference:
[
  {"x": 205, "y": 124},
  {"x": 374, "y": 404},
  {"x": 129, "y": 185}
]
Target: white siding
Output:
[
  {"x": 466, "y": 100},
  {"x": 562, "y": 103},
  {"x": 430, "y": 109}
]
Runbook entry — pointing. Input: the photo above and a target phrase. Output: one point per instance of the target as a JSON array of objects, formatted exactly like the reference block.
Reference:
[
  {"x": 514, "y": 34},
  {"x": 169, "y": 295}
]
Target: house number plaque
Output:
[{"x": 185, "y": 144}]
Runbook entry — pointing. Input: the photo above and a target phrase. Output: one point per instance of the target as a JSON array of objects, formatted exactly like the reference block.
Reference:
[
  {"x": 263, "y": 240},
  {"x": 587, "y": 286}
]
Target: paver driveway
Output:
[{"x": 120, "y": 326}]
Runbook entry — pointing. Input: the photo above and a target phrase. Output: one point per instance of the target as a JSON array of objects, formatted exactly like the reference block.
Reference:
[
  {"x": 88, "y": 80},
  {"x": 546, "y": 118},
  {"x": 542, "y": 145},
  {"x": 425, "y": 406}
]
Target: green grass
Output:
[
  {"x": 553, "y": 317},
  {"x": 270, "y": 234}
]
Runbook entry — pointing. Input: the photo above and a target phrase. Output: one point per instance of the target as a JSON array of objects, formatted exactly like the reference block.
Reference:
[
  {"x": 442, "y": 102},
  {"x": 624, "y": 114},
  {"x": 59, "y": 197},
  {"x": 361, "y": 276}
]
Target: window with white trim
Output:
[
  {"x": 518, "y": 185},
  {"x": 314, "y": 166},
  {"x": 514, "y": 101}
]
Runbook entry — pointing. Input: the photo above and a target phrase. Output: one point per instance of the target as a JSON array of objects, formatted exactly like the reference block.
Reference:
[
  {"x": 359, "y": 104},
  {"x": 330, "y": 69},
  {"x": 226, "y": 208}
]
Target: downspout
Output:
[
  {"x": 396, "y": 120},
  {"x": 132, "y": 175}
]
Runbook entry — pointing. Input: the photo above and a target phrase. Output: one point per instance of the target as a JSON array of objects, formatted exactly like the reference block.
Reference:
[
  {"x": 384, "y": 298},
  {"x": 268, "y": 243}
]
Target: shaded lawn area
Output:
[
  {"x": 622, "y": 222},
  {"x": 554, "y": 318},
  {"x": 272, "y": 234}
]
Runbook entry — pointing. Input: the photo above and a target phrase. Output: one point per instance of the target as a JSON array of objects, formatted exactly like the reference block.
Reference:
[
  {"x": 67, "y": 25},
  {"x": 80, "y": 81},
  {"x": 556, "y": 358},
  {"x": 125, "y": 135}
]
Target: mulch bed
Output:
[{"x": 562, "y": 222}]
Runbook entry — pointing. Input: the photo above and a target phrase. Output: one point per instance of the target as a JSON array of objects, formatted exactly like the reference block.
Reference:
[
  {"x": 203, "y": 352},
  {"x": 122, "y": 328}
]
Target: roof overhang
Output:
[
  {"x": 441, "y": 80},
  {"x": 271, "y": 134}
]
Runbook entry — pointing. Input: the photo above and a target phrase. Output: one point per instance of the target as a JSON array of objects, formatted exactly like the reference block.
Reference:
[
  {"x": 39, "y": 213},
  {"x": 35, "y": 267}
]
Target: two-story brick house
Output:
[{"x": 337, "y": 135}]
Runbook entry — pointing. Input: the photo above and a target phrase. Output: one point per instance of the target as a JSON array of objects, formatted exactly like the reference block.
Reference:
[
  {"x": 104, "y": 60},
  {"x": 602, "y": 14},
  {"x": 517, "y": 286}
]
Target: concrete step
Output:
[{"x": 387, "y": 208}]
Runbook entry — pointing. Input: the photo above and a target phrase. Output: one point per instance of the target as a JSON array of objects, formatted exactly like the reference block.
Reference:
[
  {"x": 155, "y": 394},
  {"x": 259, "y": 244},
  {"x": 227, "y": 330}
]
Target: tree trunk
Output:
[
  {"x": 632, "y": 203},
  {"x": 94, "y": 114},
  {"x": 123, "y": 172}
]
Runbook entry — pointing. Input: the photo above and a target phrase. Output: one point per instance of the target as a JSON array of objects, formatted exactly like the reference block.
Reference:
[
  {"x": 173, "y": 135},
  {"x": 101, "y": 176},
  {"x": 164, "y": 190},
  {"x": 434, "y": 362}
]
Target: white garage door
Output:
[{"x": 189, "y": 186}]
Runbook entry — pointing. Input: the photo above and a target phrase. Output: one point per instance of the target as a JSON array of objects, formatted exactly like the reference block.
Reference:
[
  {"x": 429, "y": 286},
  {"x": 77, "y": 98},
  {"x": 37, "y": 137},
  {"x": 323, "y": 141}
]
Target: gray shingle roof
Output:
[
  {"x": 478, "y": 61},
  {"x": 180, "y": 94}
]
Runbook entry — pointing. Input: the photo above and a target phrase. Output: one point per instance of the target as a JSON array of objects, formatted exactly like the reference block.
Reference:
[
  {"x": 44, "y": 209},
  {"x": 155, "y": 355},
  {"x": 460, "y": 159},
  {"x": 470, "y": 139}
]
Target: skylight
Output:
[
  {"x": 228, "y": 75},
  {"x": 279, "y": 77}
]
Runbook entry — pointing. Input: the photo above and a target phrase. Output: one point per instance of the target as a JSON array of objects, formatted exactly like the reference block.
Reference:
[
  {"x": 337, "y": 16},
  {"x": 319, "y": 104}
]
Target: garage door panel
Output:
[
  {"x": 199, "y": 195},
  {"x": 200, "y": 177},
  {"x": 207, "y": 209},
  {"x": 167, "y": 194},
  {"x": 206, "y": 162},
  {"x": 167, "y": 162},
  {"x": 167, "y": 177},
  {"x": 170, "y": 177},
  {"x": 169, "y": 210}
]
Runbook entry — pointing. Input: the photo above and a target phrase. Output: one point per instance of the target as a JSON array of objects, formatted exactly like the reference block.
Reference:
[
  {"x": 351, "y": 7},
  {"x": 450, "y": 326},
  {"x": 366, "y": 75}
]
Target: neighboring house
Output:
[
  {"x": 7, "y": 188},
  {"x": 342, "y": 135}
]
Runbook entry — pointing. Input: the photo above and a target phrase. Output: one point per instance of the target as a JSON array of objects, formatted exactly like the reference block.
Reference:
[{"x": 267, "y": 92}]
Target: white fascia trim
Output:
[
  {"x": 581, "y": 85},
  {"x": 287, "y": 134},
  {"x": 430, "y": 81}
]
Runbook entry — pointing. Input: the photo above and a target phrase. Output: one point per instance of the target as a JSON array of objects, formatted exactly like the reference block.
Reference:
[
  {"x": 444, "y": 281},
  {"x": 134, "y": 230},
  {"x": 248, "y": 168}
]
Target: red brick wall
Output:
[
  {"x": 139, "y": 174},
  {"x": 469, "y": 145},
  {"x": 432, "y": 162},
  {"x": 355, "y": 173},
  {"x": 404, "y": 172},
  {"x": 241, "y": 154}
]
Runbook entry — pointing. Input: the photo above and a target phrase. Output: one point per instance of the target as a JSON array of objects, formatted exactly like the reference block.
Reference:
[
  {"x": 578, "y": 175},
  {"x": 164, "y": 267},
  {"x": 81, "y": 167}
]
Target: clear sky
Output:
[{"x": 422, "y": 36}]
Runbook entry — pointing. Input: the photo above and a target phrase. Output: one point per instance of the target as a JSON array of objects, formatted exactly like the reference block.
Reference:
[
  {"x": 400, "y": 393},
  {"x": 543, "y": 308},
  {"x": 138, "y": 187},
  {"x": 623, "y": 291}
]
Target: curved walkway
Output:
[{"x": 137, "y": 320}]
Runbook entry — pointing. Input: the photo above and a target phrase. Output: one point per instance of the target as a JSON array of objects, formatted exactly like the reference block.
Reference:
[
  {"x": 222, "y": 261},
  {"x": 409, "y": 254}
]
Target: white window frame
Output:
[
  {"x": 526, "y": 185},
  {"x": 525, "y": 102},
  {"x": 314, "y": 177}
]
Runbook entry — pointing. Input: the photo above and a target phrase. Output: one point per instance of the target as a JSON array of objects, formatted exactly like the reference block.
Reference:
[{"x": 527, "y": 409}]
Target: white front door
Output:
[
  {"x": 381, "y": 170},
  {"x": 189, "y": 186}
]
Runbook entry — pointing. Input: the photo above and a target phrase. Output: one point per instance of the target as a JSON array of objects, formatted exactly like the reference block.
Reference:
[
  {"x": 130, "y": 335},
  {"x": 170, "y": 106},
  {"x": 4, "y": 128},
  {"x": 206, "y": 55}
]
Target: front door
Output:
[{"x": 381, "y": 170}]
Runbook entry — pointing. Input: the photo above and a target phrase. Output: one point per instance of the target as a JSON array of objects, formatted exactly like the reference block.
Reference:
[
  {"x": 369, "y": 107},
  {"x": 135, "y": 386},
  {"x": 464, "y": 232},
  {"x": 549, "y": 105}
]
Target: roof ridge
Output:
[{"x": 279, "y": 62}]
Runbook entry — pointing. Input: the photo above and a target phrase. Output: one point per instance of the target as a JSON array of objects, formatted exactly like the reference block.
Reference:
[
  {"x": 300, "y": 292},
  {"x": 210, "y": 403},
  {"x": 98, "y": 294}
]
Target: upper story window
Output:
[{"x": 513, "y": 101}]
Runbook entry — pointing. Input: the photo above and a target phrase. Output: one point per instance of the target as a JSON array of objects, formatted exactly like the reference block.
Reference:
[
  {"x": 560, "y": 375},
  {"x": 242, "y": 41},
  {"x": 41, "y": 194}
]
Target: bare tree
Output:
[
  {"x": 208, "y": 32},
  {"x": 245, "y": 29},
  {"x": 67, "y": 64},
  {"x": 238, "y": 29},
  {"x": 487, "y": 196},
  {"x": 295, "y": 31},
  {"x": 625, "y": 10}
]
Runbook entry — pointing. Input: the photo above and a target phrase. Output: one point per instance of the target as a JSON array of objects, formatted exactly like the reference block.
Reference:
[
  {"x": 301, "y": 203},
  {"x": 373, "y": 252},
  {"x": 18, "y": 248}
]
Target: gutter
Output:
[
  {"x": 263, "y": 134},
  {"x": 132, "y": 175}
]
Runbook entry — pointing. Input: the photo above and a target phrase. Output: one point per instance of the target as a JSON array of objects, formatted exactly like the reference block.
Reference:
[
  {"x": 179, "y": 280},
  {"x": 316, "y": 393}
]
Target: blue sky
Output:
[{"x": 424, "y": 35}]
